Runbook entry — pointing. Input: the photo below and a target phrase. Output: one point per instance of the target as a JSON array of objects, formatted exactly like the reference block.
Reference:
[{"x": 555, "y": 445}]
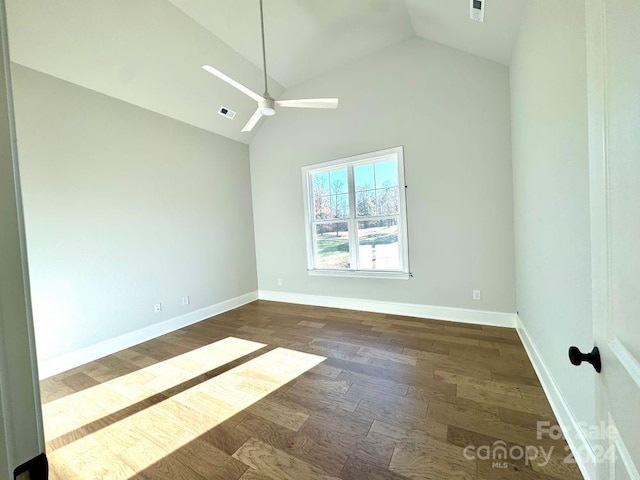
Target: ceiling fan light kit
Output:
[
  {"x": 267, "y": 107},
  {"x": 266, "y": 103}
]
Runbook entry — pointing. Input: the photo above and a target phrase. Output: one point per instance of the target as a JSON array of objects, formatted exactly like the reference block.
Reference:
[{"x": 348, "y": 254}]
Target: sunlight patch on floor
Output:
[
  {"x": 144, "y": 438},
  {"x": 68, "y": 413}
]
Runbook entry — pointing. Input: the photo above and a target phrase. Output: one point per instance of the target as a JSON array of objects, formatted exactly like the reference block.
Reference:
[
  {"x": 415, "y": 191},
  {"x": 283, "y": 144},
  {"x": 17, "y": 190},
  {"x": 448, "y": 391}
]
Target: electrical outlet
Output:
[
  {"x": 279, "y": 282},
  {"x": 185, "y": 300},
  {"x": 157, "y": 307},
  {"x": 477, "y": 295}
]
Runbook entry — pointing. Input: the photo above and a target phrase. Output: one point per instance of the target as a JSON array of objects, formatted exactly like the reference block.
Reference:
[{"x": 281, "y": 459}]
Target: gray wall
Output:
[
  {"x": 125, "y": 208},
  {"x": 451, "y": 112},
  {"x": 551, "y": 191}
]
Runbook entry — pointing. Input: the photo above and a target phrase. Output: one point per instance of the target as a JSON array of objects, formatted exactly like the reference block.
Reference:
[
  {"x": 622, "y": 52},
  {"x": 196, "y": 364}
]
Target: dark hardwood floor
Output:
[{"x": 280, "y": 391}]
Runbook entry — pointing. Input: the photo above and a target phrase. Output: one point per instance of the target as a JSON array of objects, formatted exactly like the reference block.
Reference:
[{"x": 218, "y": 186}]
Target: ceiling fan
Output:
[{"x": 266, "y": 103}]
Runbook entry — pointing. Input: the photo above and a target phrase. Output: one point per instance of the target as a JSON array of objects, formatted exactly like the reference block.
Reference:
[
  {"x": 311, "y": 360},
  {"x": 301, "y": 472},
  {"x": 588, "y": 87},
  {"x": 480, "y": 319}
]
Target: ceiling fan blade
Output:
[
  {"x": 255, "y": 118},
  {"x": 232, "y": 82},
  {"x": 309, "y": 103}
]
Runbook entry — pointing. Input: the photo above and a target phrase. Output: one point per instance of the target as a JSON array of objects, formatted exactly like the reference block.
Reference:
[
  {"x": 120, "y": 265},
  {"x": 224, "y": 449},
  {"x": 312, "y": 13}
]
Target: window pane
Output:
[
  {"x": 363, "y": 177},
  {"x": 366, "y": 203},
  {"x": 340, "y": 206},
  {"x": 320, "y": 182},
  {"x": 321, "y": 198},
  {"x": 322, "y": 207},
  {"x": 332, "y": 241},
  {"x": 386, "y": 173},
  {"x": 388, "y": 201},
  {"x": 338, "y": 181},
  {"x": 378, "y": 247}
]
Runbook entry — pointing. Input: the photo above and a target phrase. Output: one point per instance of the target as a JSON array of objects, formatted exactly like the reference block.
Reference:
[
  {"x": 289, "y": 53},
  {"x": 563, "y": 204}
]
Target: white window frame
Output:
[{"x": 403, "y": 273}]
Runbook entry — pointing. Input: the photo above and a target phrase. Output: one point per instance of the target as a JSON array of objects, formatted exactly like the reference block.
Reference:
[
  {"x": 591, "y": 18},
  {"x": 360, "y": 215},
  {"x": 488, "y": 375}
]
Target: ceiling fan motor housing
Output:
[{"x": 267, "y": 106}]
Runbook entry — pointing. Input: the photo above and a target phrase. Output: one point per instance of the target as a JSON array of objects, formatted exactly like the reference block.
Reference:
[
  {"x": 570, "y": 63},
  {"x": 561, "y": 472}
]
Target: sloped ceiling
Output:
[
  {"x": 149, "y": 52},
  {"x": 304, "y": 37}
]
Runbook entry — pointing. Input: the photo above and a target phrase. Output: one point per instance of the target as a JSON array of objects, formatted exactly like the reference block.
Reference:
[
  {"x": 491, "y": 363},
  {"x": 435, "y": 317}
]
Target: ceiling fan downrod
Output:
[{"x": 264, "y": 53}]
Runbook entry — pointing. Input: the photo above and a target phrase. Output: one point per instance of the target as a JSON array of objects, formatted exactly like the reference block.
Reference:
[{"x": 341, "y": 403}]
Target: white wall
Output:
[
  {"x": 20, "y": 419},
  {"x": 451, "y": 112},
  {"x": 551, "y": 192},
  {"x": 125, "y": 208}
]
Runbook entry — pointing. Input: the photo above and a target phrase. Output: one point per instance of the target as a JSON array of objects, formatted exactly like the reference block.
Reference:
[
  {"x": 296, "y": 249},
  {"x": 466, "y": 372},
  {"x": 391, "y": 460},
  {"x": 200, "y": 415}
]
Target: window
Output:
[{"x": 355, "y": 215}]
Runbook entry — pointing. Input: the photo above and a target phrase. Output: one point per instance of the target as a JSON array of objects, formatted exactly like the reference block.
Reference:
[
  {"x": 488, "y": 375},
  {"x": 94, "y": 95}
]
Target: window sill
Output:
[{"x": 360, "y": 274}]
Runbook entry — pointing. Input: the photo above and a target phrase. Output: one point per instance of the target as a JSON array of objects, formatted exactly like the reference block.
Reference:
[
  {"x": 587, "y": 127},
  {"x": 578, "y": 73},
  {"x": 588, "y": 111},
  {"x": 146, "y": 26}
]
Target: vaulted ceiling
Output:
[{"x": 149, "y": 52}]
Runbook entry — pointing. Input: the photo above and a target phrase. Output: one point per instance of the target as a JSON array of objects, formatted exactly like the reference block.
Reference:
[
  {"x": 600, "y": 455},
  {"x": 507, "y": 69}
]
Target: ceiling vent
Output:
[
  {"x": 226, "y": 112},
  {"x": 477, "y": 10}
]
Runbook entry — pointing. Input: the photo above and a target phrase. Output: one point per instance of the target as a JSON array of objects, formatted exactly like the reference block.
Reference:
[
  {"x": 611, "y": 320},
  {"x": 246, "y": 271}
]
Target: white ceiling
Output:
[
  {"x": 448, "y": 22},
  {"x": 304, "y": 37},
  {"x": 149, "y": 52}
]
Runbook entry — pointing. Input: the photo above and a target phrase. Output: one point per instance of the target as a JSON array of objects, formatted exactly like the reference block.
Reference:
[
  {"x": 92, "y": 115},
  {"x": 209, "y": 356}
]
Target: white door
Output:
[{"x": 613, "y": 55}]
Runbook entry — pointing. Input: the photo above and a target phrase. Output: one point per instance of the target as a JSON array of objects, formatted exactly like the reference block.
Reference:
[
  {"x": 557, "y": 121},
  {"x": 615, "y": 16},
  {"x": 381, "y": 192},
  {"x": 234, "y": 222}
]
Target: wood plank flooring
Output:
[{"x": 278, "y": 391}]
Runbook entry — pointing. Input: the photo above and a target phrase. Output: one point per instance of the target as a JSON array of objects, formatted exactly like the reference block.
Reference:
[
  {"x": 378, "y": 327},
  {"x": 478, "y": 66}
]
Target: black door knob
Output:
[{"x": 593, "y": 357}]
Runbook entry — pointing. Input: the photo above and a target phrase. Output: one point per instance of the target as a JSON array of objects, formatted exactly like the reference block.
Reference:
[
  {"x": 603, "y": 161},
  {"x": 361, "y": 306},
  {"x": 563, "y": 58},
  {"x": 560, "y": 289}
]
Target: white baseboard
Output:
[
  {"x": 53, "y": 366},
  {"x": 583, "y": 452},
  {"x": 479, "y": 317}
]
